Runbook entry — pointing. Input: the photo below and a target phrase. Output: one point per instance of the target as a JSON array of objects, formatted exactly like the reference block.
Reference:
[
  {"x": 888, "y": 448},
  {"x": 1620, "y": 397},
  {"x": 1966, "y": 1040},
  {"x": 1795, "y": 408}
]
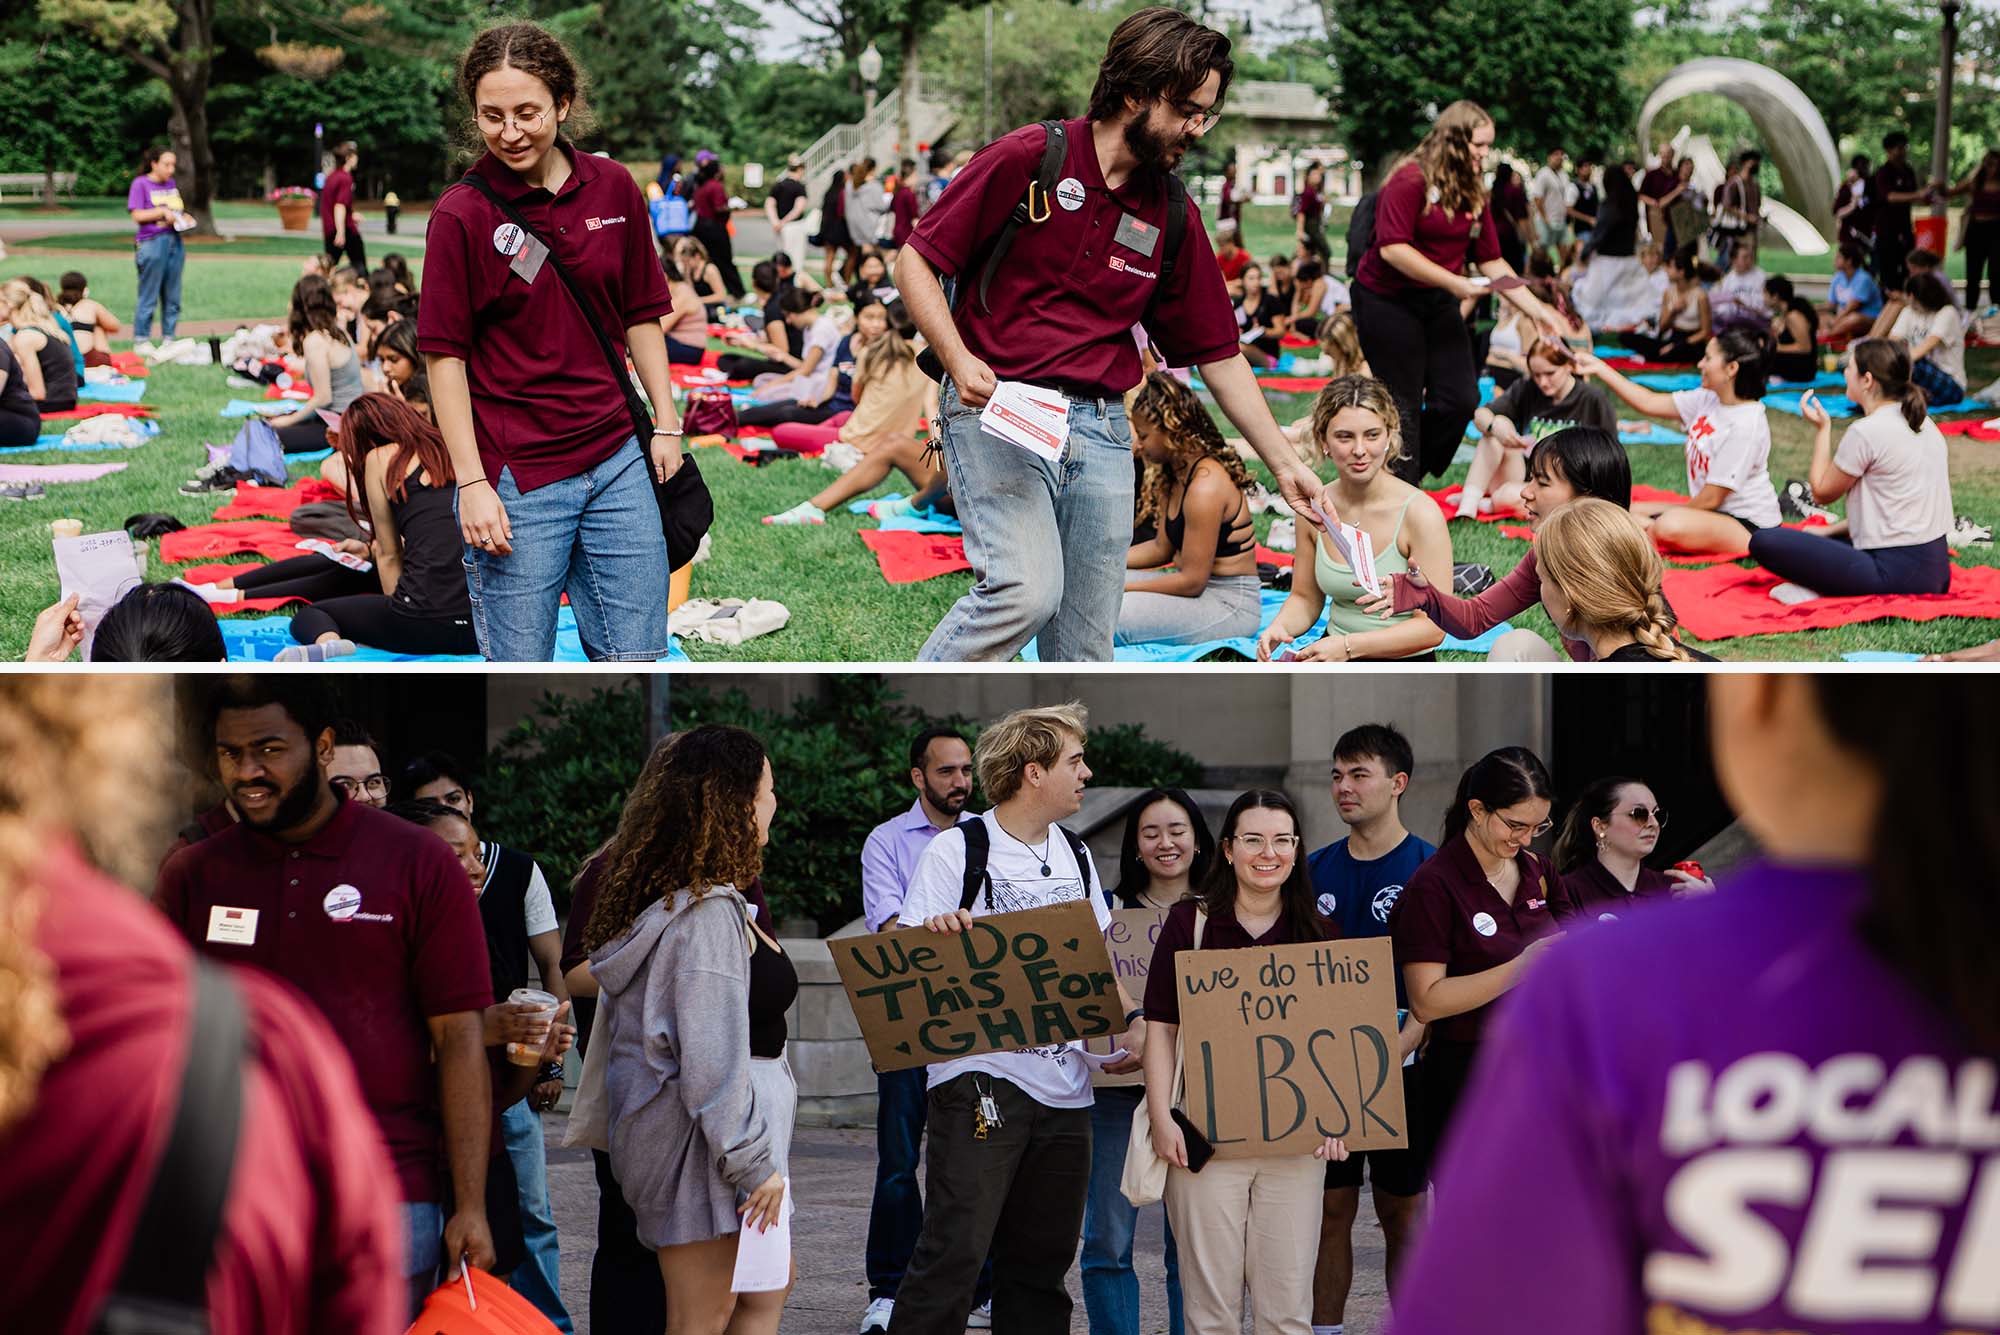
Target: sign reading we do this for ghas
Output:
[
  {"x": 1287, "y": 1045},
  {"x": 1031, "y": 979}
]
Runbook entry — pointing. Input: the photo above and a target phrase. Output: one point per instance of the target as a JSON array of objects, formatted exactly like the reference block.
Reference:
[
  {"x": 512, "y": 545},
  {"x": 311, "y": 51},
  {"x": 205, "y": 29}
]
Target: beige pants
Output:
[
  {"x": 1524, "y": 646},
  {"x": 1254, "y": 1220}
]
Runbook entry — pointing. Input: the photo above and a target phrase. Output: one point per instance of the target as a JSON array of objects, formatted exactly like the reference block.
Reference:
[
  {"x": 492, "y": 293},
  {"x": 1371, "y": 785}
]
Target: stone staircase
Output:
[{"x": 932, "y": 117}]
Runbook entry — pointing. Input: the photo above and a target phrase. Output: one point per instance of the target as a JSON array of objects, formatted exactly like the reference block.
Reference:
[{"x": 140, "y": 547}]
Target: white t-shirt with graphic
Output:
[
  {"x": 1054, "y": 1077},
  {"x": 1729, "y": 446}
]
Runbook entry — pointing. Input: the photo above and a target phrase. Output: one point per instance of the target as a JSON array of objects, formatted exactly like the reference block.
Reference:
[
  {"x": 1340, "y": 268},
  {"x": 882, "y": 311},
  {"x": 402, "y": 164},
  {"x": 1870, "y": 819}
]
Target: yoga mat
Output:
[
  {"x": 1447, "y": 499},
  {"x": 309, "y": 456},
  {"x": 1294, "y": 384},
  {"x": 112, "y": 391},
  {"x": 55, "y": 474},
  {"x": 909, "y": 558},
  {"x": 245, "y": 408},
  {"x": 1971, "y": 426},
  {"x": 1728, "y": 600},
  {"x": 925, "y": 521},
  {"x": 1667, "y": 380},
  {"x": 83, "y": 410},
  {"x": 252, "y": 501},
  {"x": 1267, "y": 557},
  {"x": 1654, "y": 434},
  {"x": 1878, "y": 656},
  {"x": 1824, "y": 380},
  {"x": 58, "y": 443},
  {"x": 1836, "y": 405},
  {"x": 258, "y": 640},
  {"x": 269, "y": 538}
]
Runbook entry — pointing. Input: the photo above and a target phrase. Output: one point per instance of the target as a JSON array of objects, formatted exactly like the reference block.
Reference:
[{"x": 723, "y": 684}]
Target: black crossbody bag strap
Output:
[
  {"x": 978, "y": 846},
  {"x": 1082, "y": 856},
  {"x": 642, "y": 420},
  {"x": 162, "y": 1288}
]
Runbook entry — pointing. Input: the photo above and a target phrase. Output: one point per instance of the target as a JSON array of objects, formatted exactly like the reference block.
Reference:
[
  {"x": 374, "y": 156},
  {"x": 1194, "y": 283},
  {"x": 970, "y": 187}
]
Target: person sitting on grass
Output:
[
  {"x": 686, "y": 326},
  {"x": 890, "y": 398},
  {"x": 333, "y": 369},
  {"x": 806, "y": 393},
  {"x": 1550, "y": 398},
  {"x": 1728, "y": 446},
  {"x": 704, "y": 273},
  {"x": 1196, "y": 493},
  {"x": 771, "y": 350},
  {"x": 871, "y": 280},
  {"x": 1340, "y": 355},
  {"x": 1308, "y": 294},
  {"x": 90, "y": 323},
  {"x": 1262, "y": 316},
  {"x": 1934, "y": 330},
  {"x": 1894, "y": 468},
  {"x": 20, "y": 418},
  {"x": 394, "y": 352},
  {"x": 415, "y": 600},
  {"x": 153, "y": 623},
  {"x": 1794, "y": 328},
  {"x": 1854, "y": 299},
  {"x": 1575, "y": 462},
  {"x": 1358, "y": 429},
  {"x": 1600, "y": 579},
  {"x": 1738, "y": 300},
  {"x": 42, "y": 349},
  {"x": 1683, "y": 327}
]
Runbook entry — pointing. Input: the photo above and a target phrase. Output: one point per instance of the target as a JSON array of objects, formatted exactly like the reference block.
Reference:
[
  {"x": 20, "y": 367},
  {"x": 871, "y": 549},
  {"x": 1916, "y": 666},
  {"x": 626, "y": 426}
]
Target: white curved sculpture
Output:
[{"x": 1794, "y": 135}]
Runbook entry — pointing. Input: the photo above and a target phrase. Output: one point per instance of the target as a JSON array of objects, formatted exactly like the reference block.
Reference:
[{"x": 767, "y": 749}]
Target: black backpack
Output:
[
  {"x": 1360, "y": 233},
  {"x": 1033, "y": 207},
  {"x": 978, "y": 844}
]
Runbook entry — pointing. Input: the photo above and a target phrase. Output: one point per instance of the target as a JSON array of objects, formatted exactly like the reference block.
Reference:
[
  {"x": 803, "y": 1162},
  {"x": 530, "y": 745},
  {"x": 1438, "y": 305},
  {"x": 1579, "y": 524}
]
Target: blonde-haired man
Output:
[{"x": 1015, "y": 1185}]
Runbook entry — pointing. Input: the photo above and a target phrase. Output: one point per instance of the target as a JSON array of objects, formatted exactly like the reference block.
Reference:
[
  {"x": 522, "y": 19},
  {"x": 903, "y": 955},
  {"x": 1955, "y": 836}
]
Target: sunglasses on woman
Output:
[{"x": 1640, "y": 815}]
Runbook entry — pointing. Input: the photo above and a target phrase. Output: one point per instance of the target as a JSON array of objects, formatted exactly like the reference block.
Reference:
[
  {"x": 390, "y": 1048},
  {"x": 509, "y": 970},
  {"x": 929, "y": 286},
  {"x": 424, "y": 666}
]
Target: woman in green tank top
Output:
[{"x": 1356, "y": 426}]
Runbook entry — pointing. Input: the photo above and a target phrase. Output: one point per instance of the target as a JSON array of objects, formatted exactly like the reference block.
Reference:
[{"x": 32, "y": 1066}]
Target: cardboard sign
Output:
[
  {"x": 1013, "y": 980},
  {"x": 1129, "y": 940},
  {"x": 1287, "y": 1045}
]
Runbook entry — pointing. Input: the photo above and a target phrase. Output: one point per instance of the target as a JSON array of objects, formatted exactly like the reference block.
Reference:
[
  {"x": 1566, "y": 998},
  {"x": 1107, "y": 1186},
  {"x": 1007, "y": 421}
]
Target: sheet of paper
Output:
[
  {"x": 1097, "y": 1061},
  {"x": 1356, "y": 548},
  {"x": 100, "y": 569},
  {"x": 1036, "y": 419},
  {"x": 764, "y": 1259},
  {"x": 333, "y": 553}
]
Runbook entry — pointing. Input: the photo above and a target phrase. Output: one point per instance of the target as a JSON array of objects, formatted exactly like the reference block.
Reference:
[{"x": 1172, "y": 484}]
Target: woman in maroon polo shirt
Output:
[
  {"x": 554, "y": 488},
  {"x": 711, "y": 222},
  {"x": 1471, "y": 919},
  {"x": 1614, "y": 825},
  {"x": 1432, "y": 219}
]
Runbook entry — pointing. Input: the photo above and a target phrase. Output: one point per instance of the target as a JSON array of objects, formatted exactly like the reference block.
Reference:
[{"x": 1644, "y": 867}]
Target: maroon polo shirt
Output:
[
  {"x": 544, "y": 403},
  {"x": 903, "y": 208},
  {"x": 1162, "y": 999},
  {"x": 1659, "y": 182},
  {"x": 1591, "y": 893},
  {"x": 711, "y": 200},
  {"x": 310, "y": 1239},
  {"x": 1450, "y": 914},
  {"x": 1403, "y": 216},
  {"x": 374, "y": 920},
  {"x": 1062, "y": 304},
  {"x": 337, "y": 189}
]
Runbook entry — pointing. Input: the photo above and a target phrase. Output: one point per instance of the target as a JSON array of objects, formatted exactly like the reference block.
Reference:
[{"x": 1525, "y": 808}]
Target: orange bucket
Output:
[
  {"x": 492, "y": 1309},
  {"x": 1933, "y": 234},
  {"x": 678, "y": 584}
]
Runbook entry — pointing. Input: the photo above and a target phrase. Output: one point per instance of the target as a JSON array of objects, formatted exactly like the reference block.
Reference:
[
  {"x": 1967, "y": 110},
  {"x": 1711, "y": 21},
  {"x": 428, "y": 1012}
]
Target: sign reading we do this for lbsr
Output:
[
  {"x": 1031, "y": 979},
  {"x": 1287, "y": 1045}
]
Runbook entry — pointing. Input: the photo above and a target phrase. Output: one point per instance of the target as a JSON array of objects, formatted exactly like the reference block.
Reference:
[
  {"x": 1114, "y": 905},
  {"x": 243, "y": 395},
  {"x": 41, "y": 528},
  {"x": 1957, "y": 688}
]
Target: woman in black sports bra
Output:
[{"x": 1195, "y": 500}]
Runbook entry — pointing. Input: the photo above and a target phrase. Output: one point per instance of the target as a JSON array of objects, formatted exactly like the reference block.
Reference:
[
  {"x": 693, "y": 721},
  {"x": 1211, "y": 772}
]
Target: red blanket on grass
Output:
[
  {"x": 1727, "y": 600},
  {"x": 83, "y": 410},
  {"x": 130, "y": 364},
  {"x": 1294, "y": 384},
  {"x": 1672, "y": 556},
  {"x": 907, "y": 558},
  {"x": 269, "y": 538},
  {"x": 211, "y": 574},
  {"x": 1968, "y": 426},
  {"x": 252, "y": 501},
  {"x": 1267, "y": 557},
  {"x": 1447, "y": 499}
]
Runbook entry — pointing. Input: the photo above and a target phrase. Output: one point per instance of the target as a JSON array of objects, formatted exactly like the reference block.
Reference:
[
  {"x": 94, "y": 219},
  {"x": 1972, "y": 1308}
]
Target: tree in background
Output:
[
  {"x": 1045, "y": 58},
  {"x": 659, "y": 69},
  {"x": 66, "y": 106}
]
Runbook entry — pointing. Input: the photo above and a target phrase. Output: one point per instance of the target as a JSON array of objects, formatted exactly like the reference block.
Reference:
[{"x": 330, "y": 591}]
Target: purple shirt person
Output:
[
  {"x": 1772, "y": 1109},
  {"x": 154, "y": 201}
]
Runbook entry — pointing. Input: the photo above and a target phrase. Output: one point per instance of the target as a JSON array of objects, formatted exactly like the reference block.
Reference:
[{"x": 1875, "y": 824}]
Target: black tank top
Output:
[
  {"x": 1239, "y": 535},
  {"x": 58, "y": 362},
  {"x": 774, "y": 985},
  {"x": 433, "y": 580}
]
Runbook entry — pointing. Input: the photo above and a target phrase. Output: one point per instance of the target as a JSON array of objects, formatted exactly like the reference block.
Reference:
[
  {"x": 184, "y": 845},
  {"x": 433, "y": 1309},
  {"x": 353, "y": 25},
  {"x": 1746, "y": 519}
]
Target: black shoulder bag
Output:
[
  {"x": 162, "y": 1287},
  {"x": 686, "y": 508}
]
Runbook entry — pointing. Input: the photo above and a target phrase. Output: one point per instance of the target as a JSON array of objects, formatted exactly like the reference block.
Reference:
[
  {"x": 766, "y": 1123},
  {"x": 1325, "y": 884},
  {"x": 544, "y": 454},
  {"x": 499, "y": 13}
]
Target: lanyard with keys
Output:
[{"x": 987, "y": 1118}]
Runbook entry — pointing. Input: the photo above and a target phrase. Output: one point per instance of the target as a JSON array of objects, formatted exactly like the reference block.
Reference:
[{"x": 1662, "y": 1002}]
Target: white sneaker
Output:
[
  {"x": 982, "y": 1317},
  {"x": 877, "y": 1315},
  {"x": 145, "y": 347}
]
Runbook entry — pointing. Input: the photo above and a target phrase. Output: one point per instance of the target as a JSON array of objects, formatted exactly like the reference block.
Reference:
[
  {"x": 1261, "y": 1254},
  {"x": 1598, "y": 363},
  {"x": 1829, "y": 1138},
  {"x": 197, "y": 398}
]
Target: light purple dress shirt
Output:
[{"x": 889, "y": 859}]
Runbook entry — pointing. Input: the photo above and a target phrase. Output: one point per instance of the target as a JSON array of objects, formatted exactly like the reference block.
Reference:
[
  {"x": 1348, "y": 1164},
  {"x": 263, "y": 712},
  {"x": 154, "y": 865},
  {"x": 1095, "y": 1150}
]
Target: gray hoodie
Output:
[{"x": 688, "y": 1139}]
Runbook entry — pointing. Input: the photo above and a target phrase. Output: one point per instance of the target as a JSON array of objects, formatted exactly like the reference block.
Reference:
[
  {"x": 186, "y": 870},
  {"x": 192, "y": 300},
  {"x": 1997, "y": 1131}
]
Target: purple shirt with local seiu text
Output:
[
  {"x": 146, "y": 193},
  {"x": 1719, "y": 1115}
]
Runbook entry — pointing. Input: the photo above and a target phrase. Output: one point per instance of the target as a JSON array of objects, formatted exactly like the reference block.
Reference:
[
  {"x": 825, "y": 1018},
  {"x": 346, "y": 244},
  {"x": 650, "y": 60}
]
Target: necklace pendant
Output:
[{"x": 1045, "y": 869}]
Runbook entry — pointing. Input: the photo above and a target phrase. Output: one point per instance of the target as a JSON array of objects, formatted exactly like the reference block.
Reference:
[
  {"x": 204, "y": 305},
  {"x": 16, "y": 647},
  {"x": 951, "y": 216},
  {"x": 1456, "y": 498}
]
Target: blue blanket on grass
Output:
[
  {"x": 926, "y": 521},
  {"x": 112, "y": 391},
  {"x": 258, "y": 640}
]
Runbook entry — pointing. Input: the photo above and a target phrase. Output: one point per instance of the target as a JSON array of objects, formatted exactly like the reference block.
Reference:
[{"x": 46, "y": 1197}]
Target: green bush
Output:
[{"x": 558, "y": 779}]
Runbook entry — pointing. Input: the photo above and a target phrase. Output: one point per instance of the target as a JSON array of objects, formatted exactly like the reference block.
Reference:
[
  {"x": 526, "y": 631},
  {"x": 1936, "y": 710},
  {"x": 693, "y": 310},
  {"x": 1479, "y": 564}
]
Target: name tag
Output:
[
  {"x": 232, "y": 927},
  {"x": 1137, "y": 235},
  {"x": 527, "y": 263}
]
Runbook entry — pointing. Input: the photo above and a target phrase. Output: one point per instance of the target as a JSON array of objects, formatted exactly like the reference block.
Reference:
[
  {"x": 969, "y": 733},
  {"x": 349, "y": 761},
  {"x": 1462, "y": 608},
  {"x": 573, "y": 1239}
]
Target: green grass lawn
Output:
[{"x": 842, "y": 611}]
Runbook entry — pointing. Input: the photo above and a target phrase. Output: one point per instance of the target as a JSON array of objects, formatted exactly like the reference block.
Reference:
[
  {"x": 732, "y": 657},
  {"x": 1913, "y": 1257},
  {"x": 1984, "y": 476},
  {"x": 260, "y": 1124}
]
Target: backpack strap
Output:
[
  {"x": 1082, "y": 855},
  {"x": 1176, "y": 231},
  {"x": 162, "y": 1287},
  {"x": 1029, "y": 210},
  {"x": 978, "y": 843}
]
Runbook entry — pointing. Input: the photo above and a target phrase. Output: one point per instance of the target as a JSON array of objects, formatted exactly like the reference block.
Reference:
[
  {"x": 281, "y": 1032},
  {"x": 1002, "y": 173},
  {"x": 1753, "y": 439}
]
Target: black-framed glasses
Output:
[
  {"x": 1196, "y": 117},
  {"x": 1640, "y": 815},
  {"x": 374, "y": 785}
]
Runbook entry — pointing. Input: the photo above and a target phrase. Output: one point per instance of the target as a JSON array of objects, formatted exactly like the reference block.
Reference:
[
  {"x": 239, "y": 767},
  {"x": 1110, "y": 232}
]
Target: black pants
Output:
[
  {"x": 310, "y": 577},
  {"x": 713, "y": 233},
  {"x": 683, "y": 354},
  {"x": 1018, "y": 1193},
  {"x": 351, "y": 604},
  {"x": 741, "y": 366},
  {"x": 1793, "y": 367},
  {"x": 303, "y": 437},
  {"x": 1892, "y": 255},
  {"x": 1417, "y": 344},
  {"x": 356, "y": 255},
  {"x": 1982, "y": 255},
  {"x": 770, "y": 414},
  {"x": 1442, "y": 1073},
  {"x": 1837, "y": 569},
  {"x": 626, "y": 1294},
  {"x": 1673, "y": 346},
  {"x": 17, "y": 429}
]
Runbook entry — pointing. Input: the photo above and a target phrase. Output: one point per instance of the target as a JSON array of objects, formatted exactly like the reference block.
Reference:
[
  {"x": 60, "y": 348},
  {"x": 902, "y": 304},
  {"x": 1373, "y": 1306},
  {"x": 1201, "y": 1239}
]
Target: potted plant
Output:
[{"x": 295, "y": 206}]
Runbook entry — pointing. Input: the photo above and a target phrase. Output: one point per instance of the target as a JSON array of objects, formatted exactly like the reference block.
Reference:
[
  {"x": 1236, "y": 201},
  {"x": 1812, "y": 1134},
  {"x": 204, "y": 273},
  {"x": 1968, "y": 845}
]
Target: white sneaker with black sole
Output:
[
  {"x": 1965, "y": 532},
  {"x": 1796, "y": 504},
  {"x": 878, "y": 1314},
  {"x": 982, "y": 1317}
]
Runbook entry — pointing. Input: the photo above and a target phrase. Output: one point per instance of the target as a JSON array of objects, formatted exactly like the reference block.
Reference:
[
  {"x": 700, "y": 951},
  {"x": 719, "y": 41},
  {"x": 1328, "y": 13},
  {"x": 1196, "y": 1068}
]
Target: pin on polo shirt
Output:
[
  {"x": 1483, "y": 924},
  {"x": 343, "y": 904},
  {"x": 1069, "y": 193},
  {"x": 528, "y": 253}
]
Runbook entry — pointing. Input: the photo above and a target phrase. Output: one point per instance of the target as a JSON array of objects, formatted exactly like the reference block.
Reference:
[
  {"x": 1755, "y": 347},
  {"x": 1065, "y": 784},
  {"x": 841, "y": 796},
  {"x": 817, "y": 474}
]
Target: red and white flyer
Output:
[{"x": 1034, "y": 418}]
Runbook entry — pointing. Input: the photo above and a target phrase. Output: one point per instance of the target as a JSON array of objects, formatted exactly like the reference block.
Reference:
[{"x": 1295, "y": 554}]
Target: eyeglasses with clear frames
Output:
[
  {"x": 1257, "y": 843},
  {"x": 375, "y": 785},
  {"x": 1197, "y": 118},
  {"x": 1523, "y": 830},
  {"x": 529, "y": 123}
]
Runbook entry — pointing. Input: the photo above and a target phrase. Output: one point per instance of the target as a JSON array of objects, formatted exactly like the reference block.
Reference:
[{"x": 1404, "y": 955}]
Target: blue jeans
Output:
[
  {"x": 595, "y": 536},
  {"x": 896, "y": 1215},
  {"x": 1047, "y": 542},
  {"x": 160, "y": 259},
  {"x": 1110, "y": 1288},
  {"x": 539, "y": 1280},
  {"x": 423, "y": 1250}
]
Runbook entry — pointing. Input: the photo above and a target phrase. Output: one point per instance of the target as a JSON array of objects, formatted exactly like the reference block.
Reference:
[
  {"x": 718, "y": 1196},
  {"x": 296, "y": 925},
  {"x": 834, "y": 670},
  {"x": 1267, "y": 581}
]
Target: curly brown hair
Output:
[
  {"x": 1191, "y": 437},
  {"x": 690, "y": 823},
  {"x": 531, "y": 49},
  {"x": 84, "y": 762}
]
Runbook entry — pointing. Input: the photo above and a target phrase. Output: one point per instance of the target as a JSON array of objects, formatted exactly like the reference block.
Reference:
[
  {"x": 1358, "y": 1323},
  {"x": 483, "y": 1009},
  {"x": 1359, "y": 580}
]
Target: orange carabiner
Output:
[{"x": 1034, "y": 186}]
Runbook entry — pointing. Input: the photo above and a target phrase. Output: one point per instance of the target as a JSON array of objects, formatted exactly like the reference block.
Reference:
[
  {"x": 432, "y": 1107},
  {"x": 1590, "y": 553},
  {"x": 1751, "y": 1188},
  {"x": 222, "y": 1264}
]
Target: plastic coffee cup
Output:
[
  {"x": 66, "y": 528},
  {"x": 530, "y": 1054}
]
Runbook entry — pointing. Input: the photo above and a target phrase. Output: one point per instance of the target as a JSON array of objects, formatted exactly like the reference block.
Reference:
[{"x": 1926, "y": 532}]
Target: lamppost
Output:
[
  {"x": 870, "y": 65},
  {"x": 1941, "y": 132}
]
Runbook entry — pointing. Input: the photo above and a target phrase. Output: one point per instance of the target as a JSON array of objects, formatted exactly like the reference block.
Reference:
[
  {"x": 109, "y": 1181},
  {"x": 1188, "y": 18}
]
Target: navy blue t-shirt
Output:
[{"x": 1358, "y": 895}]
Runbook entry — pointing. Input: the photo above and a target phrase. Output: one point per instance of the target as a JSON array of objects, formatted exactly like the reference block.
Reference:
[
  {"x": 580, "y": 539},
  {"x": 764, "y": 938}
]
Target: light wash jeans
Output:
[
  {"x": 1110, "y": 1287},
  {"x": 1046, "y": 541},
  {"x": 596, "y": 537},
  {"x": 539, "y": 1280},
  {"x": 1230, "y": 605},
  {"x": 160, "y": 259}
]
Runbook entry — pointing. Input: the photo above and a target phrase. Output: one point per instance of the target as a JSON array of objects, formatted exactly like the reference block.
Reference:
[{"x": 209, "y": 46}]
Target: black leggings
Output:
[
  {"x": 1675, "y": 346},
  {"x": 1830, "y": 566},
  {"x": 741, "y": 366},
  {"x": 683, "y": 354},
  {"x": 770, "y": 414},
  {"x": 1442, "y": 1074},
  {"x": 17, "y": 429},
  {"x": 1982, "y": 255},
  {"x": 1794, "y": 368},
  {"x": 1417, "y": 344},
  {"x": 351, "y": 604},
  {"x": 303, "y": 437},
  {"x": 356, "y": 254},
  {"x": 714, "y": 236}
]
